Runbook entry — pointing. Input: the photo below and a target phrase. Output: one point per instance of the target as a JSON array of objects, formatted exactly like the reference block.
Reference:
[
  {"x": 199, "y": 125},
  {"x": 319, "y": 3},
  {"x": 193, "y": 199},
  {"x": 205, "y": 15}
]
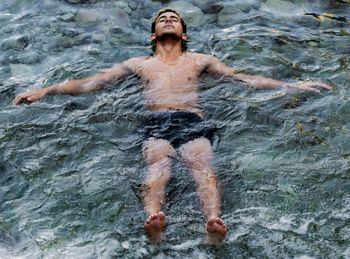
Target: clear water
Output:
[{"x": 70, "y": 170}]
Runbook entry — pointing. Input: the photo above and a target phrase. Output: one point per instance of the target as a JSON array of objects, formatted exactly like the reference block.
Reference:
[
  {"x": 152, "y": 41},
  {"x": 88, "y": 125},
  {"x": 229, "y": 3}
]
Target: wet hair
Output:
[{"x": 184, "y": 27}]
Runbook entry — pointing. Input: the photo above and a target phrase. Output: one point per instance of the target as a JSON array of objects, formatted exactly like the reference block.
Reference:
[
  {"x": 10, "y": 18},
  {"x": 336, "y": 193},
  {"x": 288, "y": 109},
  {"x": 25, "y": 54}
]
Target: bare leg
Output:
[
  {"x": 197, "y": 154},
  {"x": 157, "y": 153}
]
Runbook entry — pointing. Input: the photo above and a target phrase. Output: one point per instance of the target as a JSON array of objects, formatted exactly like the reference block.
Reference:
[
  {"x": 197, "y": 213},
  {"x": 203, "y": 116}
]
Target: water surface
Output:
[{"x": 70, "y": 168}]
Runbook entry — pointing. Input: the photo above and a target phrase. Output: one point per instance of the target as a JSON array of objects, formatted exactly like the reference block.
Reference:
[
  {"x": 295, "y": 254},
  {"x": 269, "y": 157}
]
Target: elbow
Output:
[{"x": 91, "y": 86}]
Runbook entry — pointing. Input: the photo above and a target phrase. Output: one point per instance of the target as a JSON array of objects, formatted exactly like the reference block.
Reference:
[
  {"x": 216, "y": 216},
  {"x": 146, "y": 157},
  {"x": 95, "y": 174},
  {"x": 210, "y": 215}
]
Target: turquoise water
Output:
[{"x": 70, "y": 169}]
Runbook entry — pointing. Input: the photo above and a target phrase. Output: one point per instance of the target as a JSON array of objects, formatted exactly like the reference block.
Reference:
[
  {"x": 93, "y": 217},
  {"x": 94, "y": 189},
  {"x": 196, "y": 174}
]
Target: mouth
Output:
[{"x": 168, "y": 26}]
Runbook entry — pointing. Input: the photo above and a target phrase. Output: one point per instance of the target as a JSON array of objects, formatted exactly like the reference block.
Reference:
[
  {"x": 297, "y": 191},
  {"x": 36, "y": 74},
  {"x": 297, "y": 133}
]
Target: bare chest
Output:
[{"x": 180, "y": 74}]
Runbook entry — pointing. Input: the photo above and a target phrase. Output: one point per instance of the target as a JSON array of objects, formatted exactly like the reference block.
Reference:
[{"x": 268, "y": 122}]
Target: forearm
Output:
[
  {"x": 260, "y": 82},
  {"x": 75, "y": 87},
  {"x": 216, "y": 67}
]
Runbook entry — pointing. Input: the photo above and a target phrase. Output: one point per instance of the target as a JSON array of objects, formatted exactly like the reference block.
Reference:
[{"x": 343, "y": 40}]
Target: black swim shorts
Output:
[{"x": 178, "y": 127}]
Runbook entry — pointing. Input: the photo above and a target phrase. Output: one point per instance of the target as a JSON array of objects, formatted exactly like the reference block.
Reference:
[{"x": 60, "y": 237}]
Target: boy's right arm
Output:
[{"x": 73, "y": 87}]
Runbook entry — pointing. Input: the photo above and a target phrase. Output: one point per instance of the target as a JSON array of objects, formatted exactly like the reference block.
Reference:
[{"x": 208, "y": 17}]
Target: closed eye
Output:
[{"x": 164, "y": 18}]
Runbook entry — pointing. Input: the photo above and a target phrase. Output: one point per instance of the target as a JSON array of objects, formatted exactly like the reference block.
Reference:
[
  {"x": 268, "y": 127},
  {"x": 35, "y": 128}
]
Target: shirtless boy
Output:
[{"x": 170, "y": 87}]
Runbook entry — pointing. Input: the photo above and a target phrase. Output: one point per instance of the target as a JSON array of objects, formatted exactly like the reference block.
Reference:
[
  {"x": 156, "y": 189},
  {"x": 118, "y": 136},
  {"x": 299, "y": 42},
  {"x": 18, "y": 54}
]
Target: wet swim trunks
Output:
[{"x": 178, "y": 127}]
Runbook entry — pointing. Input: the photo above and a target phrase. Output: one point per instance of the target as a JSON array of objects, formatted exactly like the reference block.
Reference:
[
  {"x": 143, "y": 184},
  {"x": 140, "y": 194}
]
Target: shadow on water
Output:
[{"x": 71, "y": 168}]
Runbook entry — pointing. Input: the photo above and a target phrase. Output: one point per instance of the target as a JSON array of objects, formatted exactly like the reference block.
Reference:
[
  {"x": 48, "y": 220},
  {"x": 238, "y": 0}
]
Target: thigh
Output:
[
  {"x": 197, "y": 153},
  {"x": 155, "y": 150}
]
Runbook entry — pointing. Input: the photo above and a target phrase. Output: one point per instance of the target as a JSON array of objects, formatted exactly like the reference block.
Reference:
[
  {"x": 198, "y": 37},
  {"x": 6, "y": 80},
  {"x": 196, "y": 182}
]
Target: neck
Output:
[{"x": 168, "y": 48}]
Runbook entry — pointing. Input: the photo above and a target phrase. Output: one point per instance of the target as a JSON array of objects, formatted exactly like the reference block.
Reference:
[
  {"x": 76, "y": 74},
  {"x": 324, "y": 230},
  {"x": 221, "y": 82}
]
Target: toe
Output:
[
  {"x": 221, "y": 223},
  {"x": 212, "y": 221},
  {"x": 161, "y": 215},
  {"x": 153, "y": 216}
]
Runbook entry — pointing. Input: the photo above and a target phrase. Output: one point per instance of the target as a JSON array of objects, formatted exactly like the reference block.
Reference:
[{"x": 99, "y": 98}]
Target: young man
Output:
[{"x": 174, "y": 125}]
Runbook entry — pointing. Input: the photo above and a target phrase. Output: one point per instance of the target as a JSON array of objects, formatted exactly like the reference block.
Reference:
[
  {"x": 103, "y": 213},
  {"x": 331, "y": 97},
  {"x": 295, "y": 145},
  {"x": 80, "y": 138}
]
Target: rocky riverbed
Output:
[{"x": 71, "y": 168}]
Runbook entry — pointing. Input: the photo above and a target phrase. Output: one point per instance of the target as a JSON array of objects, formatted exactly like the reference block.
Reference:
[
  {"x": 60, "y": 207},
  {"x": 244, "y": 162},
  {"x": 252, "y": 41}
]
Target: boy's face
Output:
[{"x": 168, "y": 23}]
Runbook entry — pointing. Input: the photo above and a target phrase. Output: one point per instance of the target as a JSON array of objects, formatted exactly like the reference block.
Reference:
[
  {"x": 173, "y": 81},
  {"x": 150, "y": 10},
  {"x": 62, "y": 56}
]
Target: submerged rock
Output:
[
  {"x": 4, "y": 71},
  {"x": 81, "y": 1},
  {"x": 29, "y": 57},
  {"x": 209, "y": 6},
  {"x": 124, "y": 6},
  {"x": 211, "y": 18},
  {"x": 247, "y": 5},
  {"x": 150, "y": 8},
  {"x": 192, "y": 15},
  {"x": 20, "y": 70},
  {"x": 89, "y": 16},
  {"x": 118, "y": 16},
  {"x": 281, "y": 8},
  {"x": 18, "y": 42},
  {"x": 230, "y": 15}
]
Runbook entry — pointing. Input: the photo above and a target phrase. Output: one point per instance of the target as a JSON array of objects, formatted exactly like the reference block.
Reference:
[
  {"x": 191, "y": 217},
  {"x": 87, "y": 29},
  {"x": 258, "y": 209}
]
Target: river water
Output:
[{"x": 70, "y": 166}]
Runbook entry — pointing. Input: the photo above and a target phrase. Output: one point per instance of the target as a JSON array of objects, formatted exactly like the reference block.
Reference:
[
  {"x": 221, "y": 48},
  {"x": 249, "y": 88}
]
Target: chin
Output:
[{"x": 169, "y": 34}]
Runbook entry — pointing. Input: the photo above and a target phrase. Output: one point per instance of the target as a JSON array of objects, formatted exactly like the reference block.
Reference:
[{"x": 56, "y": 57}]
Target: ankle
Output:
[{"x": 213, "y": 216}]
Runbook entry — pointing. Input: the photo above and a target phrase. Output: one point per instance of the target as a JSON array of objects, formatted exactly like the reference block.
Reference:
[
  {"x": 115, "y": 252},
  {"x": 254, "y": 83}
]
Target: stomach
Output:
[{"x": 175, "y": 106}]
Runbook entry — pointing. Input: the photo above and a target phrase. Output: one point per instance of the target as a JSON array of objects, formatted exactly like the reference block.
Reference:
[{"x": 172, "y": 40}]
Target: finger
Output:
[
  {"x": 326, "y": 86},
  {"x": 308, "y": 88},
  {"x": 25, "y": 97},
  {"x": 19, "y": 99},
  {"x": 311, "y": 89},
  {"x": 22, "y": 100},
  {"x": 32, "y": 98},
  {"x": 319, "y": 84}
]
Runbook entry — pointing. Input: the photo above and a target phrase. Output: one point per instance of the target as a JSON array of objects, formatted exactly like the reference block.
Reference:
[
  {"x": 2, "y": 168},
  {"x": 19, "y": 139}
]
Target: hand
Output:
[
  {"x": 30, "y": 96},
  {"x": 309, "y": 86}
]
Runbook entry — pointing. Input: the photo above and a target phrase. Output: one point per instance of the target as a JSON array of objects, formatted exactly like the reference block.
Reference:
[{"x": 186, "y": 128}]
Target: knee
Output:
[{"x": 157, "y": 150}]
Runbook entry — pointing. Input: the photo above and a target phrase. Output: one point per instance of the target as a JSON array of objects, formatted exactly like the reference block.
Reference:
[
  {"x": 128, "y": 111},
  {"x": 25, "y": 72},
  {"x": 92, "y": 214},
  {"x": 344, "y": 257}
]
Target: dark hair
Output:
[{"x": 184, "y": 27}]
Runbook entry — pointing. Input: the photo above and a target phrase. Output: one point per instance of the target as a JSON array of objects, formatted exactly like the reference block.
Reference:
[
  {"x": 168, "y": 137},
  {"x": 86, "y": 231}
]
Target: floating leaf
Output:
[
  {"x": 294, "y": 102},
  {"x": 323, "y": 16},
  {"x": 343, "y": 62},
  {"x": 300, "y": 127},
  {"x": 344, "y": 32}
]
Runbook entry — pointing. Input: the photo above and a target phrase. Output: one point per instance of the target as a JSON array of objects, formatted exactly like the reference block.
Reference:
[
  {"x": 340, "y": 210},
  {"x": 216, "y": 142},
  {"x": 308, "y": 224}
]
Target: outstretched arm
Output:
[
  {"x": 215, "y": 66},
  {"x": 73, "y": 87}
]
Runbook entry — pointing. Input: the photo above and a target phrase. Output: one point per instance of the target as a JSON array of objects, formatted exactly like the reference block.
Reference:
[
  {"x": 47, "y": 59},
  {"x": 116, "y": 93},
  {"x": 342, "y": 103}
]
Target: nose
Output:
[{"x": 168, "y": 19}]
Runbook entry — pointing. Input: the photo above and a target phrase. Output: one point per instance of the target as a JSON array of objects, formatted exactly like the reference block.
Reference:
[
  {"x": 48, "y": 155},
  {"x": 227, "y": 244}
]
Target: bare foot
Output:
[
  {"x": 154, "y": 226},
  {"x": 217, "y": 230}
]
